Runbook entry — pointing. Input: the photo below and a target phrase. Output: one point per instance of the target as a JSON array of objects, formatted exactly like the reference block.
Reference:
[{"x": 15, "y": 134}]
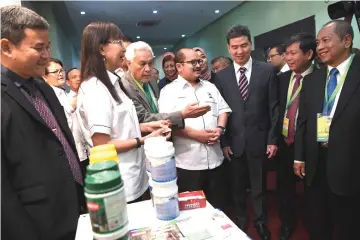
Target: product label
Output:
[
  {"x": 166, "y": 208},
  {"x": 164, "y": 172},
  {"x": 108, "y": 214}
]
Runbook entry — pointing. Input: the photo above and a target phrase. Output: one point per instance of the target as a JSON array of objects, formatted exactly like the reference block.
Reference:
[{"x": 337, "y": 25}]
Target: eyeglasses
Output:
[
  {"x": 194, "y": 62},
  {"x": 271, "y": 56},
  {"x": 120, "y": 42},
  {"x": 58, "y": 72}
]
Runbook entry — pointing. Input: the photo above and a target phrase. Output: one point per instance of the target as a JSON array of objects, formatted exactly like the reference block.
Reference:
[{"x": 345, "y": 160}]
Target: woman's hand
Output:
[
  {"x": 161, "y": 132},
  {"x": 153, "y": 126}
]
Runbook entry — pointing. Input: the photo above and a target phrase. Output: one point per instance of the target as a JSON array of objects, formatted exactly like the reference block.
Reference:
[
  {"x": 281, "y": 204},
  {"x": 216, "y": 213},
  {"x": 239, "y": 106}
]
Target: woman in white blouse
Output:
[{"x": 106, "y": 114}]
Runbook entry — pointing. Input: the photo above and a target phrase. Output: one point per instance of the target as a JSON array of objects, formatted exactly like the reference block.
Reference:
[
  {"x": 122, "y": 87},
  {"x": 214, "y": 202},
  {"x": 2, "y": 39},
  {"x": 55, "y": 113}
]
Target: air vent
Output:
[{"x": 150, "y": 23}]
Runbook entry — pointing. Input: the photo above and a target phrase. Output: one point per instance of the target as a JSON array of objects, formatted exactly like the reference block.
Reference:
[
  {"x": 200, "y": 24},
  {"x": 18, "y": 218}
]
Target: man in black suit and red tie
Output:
[
  {"x": 300, "y": 52},
  {"x": 251, "y": 89},
  {"x": 327, "y": 140},
  {"x": 41, "y": 179}
]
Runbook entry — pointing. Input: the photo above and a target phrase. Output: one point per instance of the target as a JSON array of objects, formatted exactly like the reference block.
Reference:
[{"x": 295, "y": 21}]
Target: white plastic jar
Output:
[
  {"x": 162, "y": 159},
  {"x": 166, "y": 202},
  {"x": 148, "y": 143}
]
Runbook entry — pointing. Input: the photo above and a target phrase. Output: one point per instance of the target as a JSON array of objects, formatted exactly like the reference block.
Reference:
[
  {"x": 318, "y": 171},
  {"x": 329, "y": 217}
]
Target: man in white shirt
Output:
[
  {"x": 300, "y": 52},
  {"x": 327, "y": 138},
  {"x": 198, "y": 153},
  {"x": 73, "y": 80},
  {"x": 276, "y": 57},
  {"x": 55, "y": 77}
]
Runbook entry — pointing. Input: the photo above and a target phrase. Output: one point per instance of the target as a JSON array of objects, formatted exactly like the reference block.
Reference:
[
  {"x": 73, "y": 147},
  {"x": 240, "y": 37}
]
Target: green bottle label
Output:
[{"x": 108, "y": 214}]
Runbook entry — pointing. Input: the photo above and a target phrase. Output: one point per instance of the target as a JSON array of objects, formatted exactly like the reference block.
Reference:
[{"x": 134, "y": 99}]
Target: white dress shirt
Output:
[
  {"x": 292, "y": 83},
  {"x": 285, "y": 68},
  {"x": 248, "y": 67},
  {"x": 190, "y": 154},
  {"x": 341, "y": 68},
  {"x": 72, "y": 120},
  {"x": 98, "y": 112}
]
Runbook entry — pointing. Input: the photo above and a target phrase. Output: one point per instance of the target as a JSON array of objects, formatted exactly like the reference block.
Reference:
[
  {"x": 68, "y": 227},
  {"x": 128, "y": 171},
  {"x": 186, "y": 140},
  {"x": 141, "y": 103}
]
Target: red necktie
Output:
[{"x": 292, "y": 110}]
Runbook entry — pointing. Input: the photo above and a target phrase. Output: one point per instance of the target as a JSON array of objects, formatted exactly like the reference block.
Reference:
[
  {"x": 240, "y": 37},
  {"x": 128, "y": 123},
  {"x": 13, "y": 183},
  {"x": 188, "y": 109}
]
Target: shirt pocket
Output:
[
  {"x": 125, "y": 124},
  {"x": 211, "y": 101}
]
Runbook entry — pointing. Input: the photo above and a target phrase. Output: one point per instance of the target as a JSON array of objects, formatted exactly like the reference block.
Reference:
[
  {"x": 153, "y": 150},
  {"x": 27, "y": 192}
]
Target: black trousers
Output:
[
  {"x": 244, "y": 169},
  {"x": 286, "y": 183},
  {"x": 327, "y": 211},
  {"x": 210, "y": 181}
]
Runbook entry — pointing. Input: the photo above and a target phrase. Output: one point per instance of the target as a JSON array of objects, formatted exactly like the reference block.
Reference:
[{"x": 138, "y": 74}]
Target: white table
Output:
[{"x": 142, "y": 214}]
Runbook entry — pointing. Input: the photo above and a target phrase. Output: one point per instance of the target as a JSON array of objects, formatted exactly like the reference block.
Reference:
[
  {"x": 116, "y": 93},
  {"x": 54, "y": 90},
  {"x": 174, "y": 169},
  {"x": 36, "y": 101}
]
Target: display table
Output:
[{"x": 142, "y": 214}]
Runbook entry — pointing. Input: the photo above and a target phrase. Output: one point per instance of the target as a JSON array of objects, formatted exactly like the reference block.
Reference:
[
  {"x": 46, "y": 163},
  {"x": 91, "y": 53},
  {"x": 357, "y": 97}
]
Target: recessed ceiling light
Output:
[
  {"x": 82, "y": 13},
  {"x": 138, "y": 37},
  {"x": 217, "y": 11},
  {"x": 183, "y": 35},
  {"x": 155, "y": 12},
  {"x": 165, "y": 48}
]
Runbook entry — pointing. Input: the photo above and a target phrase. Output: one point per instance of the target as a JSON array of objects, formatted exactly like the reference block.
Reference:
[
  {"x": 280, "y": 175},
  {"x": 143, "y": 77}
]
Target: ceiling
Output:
[{"x": 173, "y": 18}]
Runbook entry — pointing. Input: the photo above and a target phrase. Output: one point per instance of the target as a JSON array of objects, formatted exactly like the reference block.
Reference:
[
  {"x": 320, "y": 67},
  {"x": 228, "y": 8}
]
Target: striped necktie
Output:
[{"x": 243, "y": 83}]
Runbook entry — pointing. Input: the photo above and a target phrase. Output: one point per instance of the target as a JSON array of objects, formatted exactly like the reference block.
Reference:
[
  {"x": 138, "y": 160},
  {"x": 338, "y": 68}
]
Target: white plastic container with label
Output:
[
  {"x": 149, "y": 144},
  {"x": 162, "y": 159},
  {"x": 166, "y": 202}
]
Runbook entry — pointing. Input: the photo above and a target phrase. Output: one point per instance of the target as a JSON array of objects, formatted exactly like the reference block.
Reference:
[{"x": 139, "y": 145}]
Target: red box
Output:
[{"x": 192, "y": 200}]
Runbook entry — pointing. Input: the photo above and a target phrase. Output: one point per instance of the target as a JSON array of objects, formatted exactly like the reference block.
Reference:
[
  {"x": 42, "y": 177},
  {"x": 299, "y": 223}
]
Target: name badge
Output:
[
  {"x": 323, "y": 127},
  {"x": 285, "y": 128}
]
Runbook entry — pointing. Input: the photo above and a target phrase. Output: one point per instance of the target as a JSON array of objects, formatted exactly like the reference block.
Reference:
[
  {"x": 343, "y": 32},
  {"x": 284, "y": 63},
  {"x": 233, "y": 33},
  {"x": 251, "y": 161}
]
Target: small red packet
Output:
[{"x": 192, "y": 200}]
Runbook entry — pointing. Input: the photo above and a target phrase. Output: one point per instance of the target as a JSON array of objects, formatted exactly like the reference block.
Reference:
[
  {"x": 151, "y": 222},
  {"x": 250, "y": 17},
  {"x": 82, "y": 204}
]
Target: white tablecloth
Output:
[{"x": 142, "y": 214}]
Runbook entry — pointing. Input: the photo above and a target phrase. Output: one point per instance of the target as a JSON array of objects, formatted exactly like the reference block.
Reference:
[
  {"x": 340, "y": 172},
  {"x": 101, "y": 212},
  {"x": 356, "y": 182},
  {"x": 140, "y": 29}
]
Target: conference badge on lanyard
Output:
[
  {"x": 323, "y": 127},
  {"x": 285, "y": 129}
]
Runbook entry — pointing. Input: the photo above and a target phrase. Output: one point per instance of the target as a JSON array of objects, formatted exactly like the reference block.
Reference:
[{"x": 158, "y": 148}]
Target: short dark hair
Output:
[
  {"x": 238, "y": 31},
  {"x": 342, "y": 28},
  {"x": 167, "y": 58},
  {"x": 222, "y": 58},
  {"x": 15, "y": 19},
  {"x": 306, "y": 42},
  {"x": 156, "y": 70},
  {"x": 180, "y": 55},
  {"x": 54, "y": 60},
  {"x": 68, "y": 71},
  {"x": 280, "y": 48}
]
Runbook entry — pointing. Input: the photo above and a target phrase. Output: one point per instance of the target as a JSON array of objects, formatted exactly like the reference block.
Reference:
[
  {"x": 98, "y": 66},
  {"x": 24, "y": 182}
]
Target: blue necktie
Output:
[{"x": 330, "y": 89}]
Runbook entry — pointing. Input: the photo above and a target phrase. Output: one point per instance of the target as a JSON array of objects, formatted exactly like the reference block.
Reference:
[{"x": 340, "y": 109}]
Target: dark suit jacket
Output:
[
  {"x": 38, "y": 194},
  {"x": 143, "y": 109},
  {"x": 253, "y": 124},
  {"x": 343, "y": 161}
]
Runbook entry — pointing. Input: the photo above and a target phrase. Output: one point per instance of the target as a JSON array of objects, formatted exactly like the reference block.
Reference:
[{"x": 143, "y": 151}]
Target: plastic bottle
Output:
[
  {"x": 166, "y": 202},
  {"x": 106, "y": 201},
  {"x": 102, "y": 166}
]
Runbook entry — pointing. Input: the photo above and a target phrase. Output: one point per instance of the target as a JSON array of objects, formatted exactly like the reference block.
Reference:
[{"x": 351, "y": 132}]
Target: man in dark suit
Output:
[
  {"x": 41, "y": 180},
  {"x": 327, "y": 138},
  {"x": 251, "y": 90},
  {"x": 300, "y": 52}
]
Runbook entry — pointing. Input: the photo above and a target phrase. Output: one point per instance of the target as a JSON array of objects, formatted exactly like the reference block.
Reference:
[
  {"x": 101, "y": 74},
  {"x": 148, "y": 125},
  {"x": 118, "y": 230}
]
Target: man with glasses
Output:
[
  {"x": 276, "y": 57},
  {"x": 139, "y": 57},
  {"x": 198, "y": 153}
]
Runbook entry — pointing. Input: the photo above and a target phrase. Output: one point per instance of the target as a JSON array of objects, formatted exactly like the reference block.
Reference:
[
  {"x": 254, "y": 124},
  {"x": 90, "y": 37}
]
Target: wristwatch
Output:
[{"x": 223, "y": 129}]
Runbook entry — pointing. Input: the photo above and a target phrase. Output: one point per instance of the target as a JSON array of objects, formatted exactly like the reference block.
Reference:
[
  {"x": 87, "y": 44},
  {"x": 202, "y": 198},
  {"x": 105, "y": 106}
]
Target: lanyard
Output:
[
  {"x": 290, "y": 99},
  {"x": 328, "y": 100},
  {"x": 138, "y": 84}
]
